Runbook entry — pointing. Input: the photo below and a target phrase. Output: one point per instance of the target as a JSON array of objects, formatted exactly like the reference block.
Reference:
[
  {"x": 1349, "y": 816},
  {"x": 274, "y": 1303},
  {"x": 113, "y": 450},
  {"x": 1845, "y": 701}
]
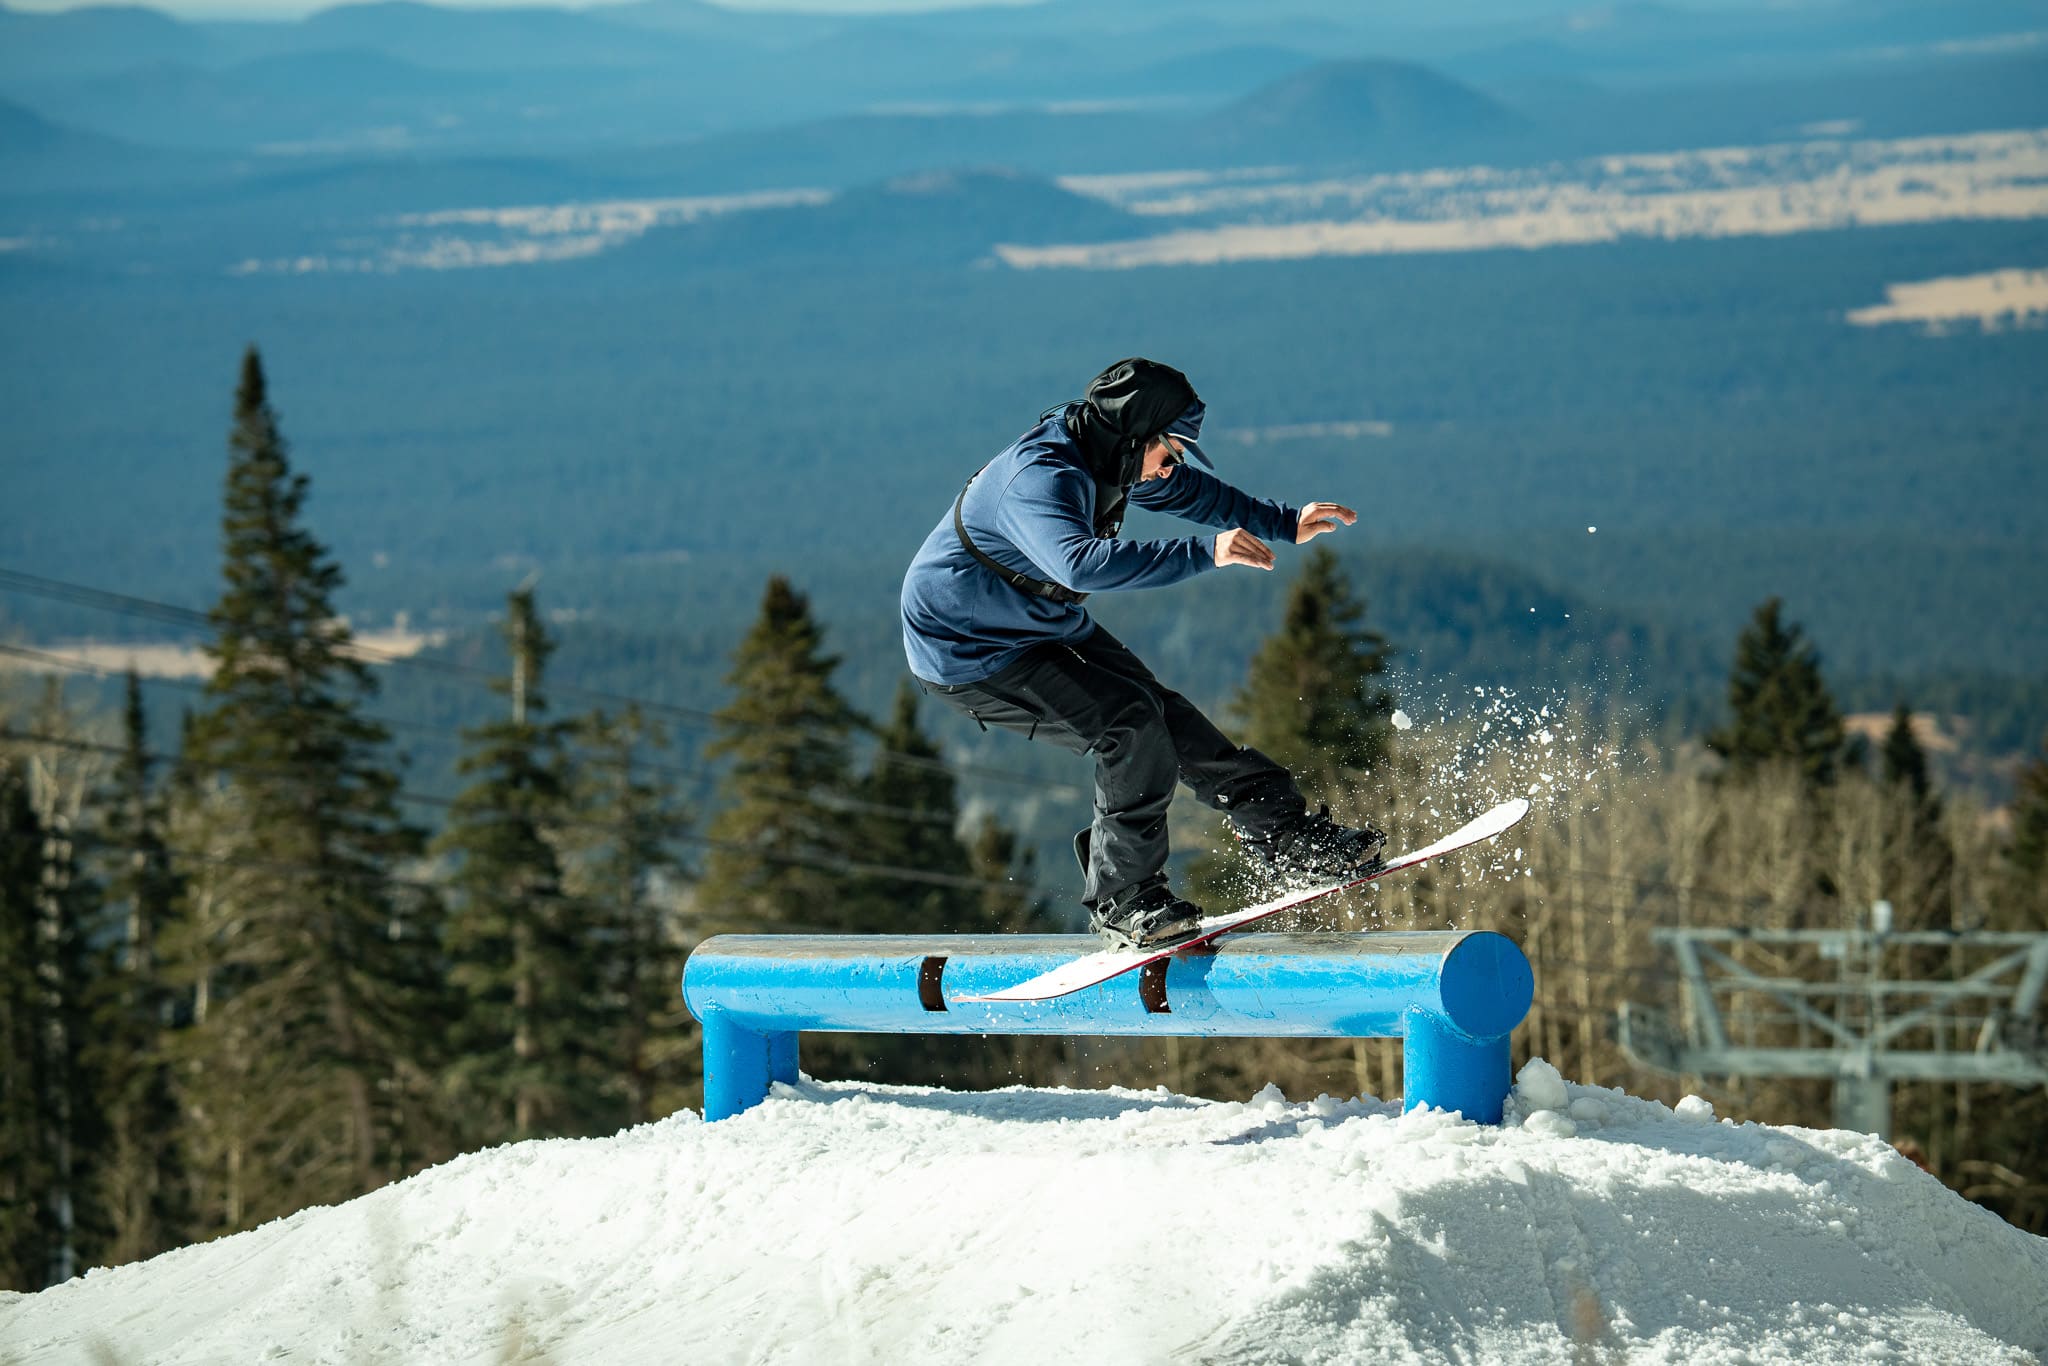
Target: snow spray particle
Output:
[{"x": 1487, "y": 745}]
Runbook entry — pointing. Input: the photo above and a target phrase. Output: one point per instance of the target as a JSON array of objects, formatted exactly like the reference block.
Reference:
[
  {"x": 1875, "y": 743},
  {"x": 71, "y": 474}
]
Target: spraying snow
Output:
[{"x": 851, "y": 1223}]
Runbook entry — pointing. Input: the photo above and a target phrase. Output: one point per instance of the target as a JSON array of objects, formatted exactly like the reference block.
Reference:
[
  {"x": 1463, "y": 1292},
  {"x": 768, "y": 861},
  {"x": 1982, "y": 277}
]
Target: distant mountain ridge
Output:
[
  {"x": 950, "y": 218},
  {"x": 1345, "y": 109},
  {"x": 44, "y": 154},
  {"x": 655, "y": 71}
]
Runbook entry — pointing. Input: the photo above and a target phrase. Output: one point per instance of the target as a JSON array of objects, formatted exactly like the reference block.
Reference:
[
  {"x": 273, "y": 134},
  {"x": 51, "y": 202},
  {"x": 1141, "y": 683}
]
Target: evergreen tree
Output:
[
  {"x": 2027, "y": 857},
  {"x": 621, "y": 862},
  {"x": 905, "y": 818},
  {"x": 995, "y": 857},
  {"x": 1904, "y": 762},
  {"x": 51, "y": 906},
  {"x": 782, "y": 837},
  {"x": 141, "y": 1181},
  {"x": 29, "y": 1171},
  {"x": 308, "y": 963},
  {"x": 1312, "y": 700},
  {"x": 1781, "y": 709},
  {"x": 529, "y": 1047},
  {"x": 1920, "y": 865}
]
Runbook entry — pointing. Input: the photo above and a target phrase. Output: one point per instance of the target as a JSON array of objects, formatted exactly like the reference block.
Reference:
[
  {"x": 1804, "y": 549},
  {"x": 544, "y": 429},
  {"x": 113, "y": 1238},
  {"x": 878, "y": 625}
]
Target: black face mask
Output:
[{"x": 1123, "y": 409}]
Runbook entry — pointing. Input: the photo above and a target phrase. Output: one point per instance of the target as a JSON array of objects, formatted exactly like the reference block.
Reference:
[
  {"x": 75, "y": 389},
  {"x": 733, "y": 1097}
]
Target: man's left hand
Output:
[{"x": 1317, "y": 518}]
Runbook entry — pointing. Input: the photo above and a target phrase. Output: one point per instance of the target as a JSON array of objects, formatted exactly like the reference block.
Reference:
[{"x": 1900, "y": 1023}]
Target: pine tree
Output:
[
  {"x": 309, "y": 963},
  {"x": 622, "y": 864},
  {"x": 29, "y": 1170},
  {"x": 905, "y": 818},
  {"x": 1920, "y": 863},
  {"x": 782, "y": 837},
  {"x": 142, "y": 1186},
  {"x": 530, "y": 1043},
  {"x": 1781, "y": 709},
  {"x": 1904, "y": 762},
  {"x": 52, "y": 904},
  {"x": 1006, "y": 902},
  {"x": 1312, "y": 700},
  {"x": 2027, "y": 856}
]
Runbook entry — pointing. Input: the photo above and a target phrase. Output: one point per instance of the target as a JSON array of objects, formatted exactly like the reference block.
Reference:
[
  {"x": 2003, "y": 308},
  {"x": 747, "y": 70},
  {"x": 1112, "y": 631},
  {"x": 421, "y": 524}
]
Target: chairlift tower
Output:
[{"x": 1863, "y": 1008}]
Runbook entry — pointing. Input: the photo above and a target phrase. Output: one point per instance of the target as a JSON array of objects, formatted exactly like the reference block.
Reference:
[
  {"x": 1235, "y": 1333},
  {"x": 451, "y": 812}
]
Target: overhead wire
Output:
[
  {"x": 38, "y": 585},
  {"x": 851, "y": 867},
  {"x": 700, "y": 778},
  {"x": 818, "y": 863}
]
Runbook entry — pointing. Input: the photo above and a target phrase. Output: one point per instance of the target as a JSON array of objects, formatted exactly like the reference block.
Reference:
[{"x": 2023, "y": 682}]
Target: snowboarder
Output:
[{"x": 993, "y": 626}]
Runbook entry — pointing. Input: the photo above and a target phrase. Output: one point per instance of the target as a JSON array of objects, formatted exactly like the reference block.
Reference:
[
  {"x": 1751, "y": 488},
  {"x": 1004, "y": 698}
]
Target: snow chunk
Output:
[
  {"x": 1550, "y": 1124},
  {"x": 1695, "y": 1110},
  {"x": 1402, "y": 721},
  {"x": 1589, "y": 1110},
  {"x": 1539, "y": 1086}
]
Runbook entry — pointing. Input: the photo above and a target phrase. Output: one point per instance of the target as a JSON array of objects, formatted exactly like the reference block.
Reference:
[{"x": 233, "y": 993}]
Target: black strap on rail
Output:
[{"x": 1022, "y": 582}]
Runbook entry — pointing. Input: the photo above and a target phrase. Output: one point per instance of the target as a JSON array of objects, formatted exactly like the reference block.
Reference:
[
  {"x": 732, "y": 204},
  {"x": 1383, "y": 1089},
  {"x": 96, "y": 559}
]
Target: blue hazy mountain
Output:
[
  {"x": 40, "y": 155},
  {"x": 656, "y": 71},
  {"x": 1356, "y": 110},
  {"x": 934, "y": 219},
  {"x": 1703, "y": 402},
  {"x": 336, "y": 98},
  {"x": 92, "y": 41}
]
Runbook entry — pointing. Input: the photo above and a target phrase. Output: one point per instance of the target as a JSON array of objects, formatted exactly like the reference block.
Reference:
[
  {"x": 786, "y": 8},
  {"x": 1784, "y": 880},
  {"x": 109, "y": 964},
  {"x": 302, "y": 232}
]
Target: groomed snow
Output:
[{"x": 846, "y": 1223}]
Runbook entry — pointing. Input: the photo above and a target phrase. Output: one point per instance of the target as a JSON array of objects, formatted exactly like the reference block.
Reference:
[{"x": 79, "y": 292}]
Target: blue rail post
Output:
[{"x": 1453, "y": 998}]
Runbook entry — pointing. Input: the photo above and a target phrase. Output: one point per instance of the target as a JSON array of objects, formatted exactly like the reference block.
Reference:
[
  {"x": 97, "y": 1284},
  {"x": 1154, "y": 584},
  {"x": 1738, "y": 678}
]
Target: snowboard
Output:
[{"x": 1097, "y": 968}]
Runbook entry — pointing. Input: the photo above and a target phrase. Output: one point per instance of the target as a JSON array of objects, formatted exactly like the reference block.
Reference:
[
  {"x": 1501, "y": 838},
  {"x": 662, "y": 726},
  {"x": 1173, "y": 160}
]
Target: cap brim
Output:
[{"x": 1194, "y": 448}]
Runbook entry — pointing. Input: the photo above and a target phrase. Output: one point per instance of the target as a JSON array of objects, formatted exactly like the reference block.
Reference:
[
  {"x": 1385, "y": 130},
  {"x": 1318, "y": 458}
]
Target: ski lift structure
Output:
[{"x": 1862, "y": 1007}]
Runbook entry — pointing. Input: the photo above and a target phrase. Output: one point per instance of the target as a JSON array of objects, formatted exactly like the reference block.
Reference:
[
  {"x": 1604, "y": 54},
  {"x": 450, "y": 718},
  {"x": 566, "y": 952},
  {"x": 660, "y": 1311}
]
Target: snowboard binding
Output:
[
  {"x": 1312, "y": 849},
  {"x": 1148, "y": 916}
]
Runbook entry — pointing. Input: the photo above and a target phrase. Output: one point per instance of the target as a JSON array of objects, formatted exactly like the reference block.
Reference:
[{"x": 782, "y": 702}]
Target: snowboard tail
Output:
[{"x": 1097, "y": 968}]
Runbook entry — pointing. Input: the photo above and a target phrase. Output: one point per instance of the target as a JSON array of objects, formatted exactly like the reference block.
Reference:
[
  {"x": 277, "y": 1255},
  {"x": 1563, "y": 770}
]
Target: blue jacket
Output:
[{"x": 1033, "y": 509}]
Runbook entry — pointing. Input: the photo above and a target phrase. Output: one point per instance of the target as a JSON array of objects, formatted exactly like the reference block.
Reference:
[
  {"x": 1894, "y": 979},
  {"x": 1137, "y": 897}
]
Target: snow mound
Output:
[{"x": 850, "y": 1223}]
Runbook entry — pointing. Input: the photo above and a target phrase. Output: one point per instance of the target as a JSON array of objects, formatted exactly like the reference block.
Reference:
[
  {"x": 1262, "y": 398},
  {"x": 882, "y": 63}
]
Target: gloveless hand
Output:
[
  {"x": 1238, "y": 546},
  {"x": 1317, "y": 518}
]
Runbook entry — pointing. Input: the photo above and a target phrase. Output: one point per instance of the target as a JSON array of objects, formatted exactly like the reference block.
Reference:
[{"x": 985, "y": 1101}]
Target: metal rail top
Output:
[{"x": 1314, "y": 944}]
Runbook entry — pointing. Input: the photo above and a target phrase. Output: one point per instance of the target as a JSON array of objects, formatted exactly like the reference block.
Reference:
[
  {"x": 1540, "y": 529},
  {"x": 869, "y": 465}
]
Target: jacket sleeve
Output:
[
  {"x": 1047, "y": 514},
  {"x": 1199, "y": 496}
]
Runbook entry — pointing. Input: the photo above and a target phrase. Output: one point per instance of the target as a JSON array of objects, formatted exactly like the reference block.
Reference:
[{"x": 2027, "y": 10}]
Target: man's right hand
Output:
[{"x": 1238, "y": 546}]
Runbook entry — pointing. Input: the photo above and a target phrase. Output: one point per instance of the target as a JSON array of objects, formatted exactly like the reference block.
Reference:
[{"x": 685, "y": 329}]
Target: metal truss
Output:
[{"x": 1862, "y": 1007}]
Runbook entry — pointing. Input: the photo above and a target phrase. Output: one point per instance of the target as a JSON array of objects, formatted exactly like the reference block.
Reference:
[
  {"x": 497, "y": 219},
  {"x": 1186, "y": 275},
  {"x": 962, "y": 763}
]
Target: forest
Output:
[
  {"x": 250, "y": 967},
  {"x": 611, "y": 426}
]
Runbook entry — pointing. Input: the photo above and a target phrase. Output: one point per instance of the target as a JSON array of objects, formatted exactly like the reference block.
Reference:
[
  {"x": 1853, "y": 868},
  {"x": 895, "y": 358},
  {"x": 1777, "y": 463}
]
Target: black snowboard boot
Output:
[
  {"x": 1313, "y": 849},
  {"x": 1148, "y": 916}
]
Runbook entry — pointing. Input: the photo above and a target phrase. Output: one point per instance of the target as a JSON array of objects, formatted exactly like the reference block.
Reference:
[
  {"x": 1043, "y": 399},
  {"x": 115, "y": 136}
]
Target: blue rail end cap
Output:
[{"x": 1486, "y": 985}]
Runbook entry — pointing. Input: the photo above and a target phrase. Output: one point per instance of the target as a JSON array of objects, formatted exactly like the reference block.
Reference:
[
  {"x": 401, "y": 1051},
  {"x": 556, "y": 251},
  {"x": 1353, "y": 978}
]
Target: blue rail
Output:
[{"x": 1452, "y": 997}]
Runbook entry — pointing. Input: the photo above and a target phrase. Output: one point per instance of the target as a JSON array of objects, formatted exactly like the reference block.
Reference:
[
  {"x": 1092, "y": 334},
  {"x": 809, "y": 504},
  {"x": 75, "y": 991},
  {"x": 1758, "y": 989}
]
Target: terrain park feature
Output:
[{"x": 1452, "y": 997}]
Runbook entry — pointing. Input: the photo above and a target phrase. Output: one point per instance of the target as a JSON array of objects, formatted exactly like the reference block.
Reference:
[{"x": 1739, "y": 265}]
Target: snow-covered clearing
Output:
[
  {"x": 1994, "y": 300},
  {"x": 845, "y": 1223},
  {"x": 164, "y": 659},
  {"x": 1763, "y": 191}
]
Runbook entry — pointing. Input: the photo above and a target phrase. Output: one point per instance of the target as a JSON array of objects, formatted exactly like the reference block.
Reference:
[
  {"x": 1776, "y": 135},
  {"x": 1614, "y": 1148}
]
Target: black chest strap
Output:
[{"x": 1022, "y": 582}]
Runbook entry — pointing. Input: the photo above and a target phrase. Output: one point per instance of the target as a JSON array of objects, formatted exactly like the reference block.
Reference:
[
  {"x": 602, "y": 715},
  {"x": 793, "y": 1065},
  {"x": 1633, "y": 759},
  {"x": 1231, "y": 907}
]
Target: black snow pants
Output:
[{"x": 1096, "y": 697}]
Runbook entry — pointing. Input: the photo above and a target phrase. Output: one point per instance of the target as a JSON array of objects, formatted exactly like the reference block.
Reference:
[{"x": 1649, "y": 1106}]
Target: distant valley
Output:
[{"x": 657, "y": 299}]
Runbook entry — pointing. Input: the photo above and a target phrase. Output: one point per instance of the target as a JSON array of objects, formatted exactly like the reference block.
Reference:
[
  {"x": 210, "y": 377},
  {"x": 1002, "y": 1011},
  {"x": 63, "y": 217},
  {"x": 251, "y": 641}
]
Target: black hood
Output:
[{"x": 1122, "y": 409}]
